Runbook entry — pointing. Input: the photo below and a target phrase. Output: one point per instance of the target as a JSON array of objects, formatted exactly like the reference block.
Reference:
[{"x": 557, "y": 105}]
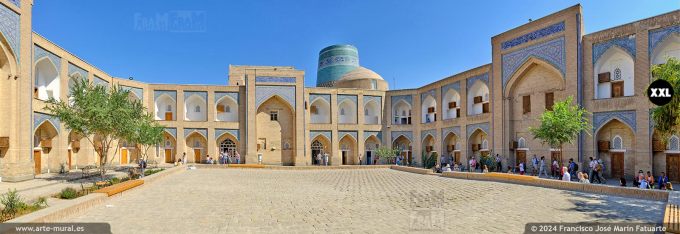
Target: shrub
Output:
[
  {"x": 13, "y": 203},
  {"x": 115, "y": 180},
  {"x": 68, "y": 193}
]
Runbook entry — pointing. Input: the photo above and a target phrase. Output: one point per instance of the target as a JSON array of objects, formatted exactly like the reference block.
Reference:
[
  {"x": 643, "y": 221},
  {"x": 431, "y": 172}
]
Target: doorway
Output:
[
  {"x": 168, "y": 156},
  {"x": 369, "y": 155},
  {"x": 673, "y": 167},
  {"x": 344, "y": 157},
  {"x": 197, "y": 155},
  {"x": 617, "y": 164},
  {"x": 37, "y": 161},
  {"x": 123, "y": 156},
  {"x": 521, "y": 156},
  {"x": 456, "y": 157},
  {"x": 555, "y": 155}
]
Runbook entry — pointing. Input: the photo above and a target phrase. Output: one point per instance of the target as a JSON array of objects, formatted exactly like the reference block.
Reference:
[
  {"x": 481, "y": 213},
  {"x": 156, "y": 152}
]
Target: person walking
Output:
[
  {"x": 565, "y": 174},
  {"x": 596, "y": 171},
  {"x": 521, "y": 168},
  {"x": 573, "y": 167},
  {"x": 534, "y": 164},
  {"x": 541, "y": 167},
  {"x": 142, "y": 166},
  {"x": 591, "y": 168},
  {"x": 555, "y": 170}
]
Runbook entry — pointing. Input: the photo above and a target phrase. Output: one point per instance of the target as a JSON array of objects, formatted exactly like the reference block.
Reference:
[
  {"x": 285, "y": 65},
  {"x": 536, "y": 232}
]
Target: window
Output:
[
  {"x": 526, "y": 104},
  {"x": 617, "y": 142},
  {"x": 403, "y": 113},
  {"x": 197, "y": 144},
  {"x": 314, "y": 110},
  {"x": 674, "y": 143},
  {"x": 228, "y": 146},
  {"x": 342, "y": 111},
  {"x": 168, "y": 108},
  {"x": 374, "y": 84},
  {"x": 366, "y": 112},
  {"x": 168, "y": 144},
  {"x": 274, "y": 115},
  {"x": 549, "y": 100},
  {"x": 197, "y": 109},
  {"x": 227, "y": 109},
  {"x": 617, "y": 74}
]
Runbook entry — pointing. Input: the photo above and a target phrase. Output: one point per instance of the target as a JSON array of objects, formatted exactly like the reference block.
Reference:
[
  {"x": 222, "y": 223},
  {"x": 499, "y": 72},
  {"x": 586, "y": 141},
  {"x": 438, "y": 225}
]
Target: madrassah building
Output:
[{"x": 266, "y": 113}]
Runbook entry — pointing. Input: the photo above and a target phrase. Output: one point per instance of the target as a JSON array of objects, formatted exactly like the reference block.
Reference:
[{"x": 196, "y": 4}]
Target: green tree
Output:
[
  {"x": 97, "y": 111},
  {"x": 149, "y": 133},
  {"x": 562, "y": 124},
  {"x": 667, "y": 117},
  {"x": 387, "y": 153}
]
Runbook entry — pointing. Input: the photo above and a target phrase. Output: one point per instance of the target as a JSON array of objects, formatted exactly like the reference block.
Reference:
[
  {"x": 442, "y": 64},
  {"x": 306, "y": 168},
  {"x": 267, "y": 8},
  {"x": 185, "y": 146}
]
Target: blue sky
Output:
[{"x": 408, "y": 41}]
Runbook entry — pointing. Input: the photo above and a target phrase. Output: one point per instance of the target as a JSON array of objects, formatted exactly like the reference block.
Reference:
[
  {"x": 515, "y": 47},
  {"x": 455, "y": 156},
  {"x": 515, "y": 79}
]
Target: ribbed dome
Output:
[{"x": 361, "y": 73}]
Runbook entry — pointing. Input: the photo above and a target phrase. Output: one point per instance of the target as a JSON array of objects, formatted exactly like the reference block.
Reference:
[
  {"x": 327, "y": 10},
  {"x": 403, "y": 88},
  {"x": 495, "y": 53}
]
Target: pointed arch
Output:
[
  {"x": 320, "y": 111},
  {"x": 669, "y": 46},
  {"x": 47, "y": 79},
  {"x": 401, "y": 112},
  {"x": 527, "y": 66},
  {"x": 620, "y": 66},
  {"x": 478, "y": 90},
  {"x": 226, "y": 109},
  {"x": 451, "y": 103},
  {"x": 166, "y": 107},
  {"x": 372, "y": 112},
  {"x": 347, "y": 112},
  {"x": 195, "y": 108}
]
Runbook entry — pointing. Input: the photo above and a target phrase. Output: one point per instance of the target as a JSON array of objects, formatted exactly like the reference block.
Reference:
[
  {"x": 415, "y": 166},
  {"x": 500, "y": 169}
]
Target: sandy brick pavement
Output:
[{"x": 350, "y": 201}]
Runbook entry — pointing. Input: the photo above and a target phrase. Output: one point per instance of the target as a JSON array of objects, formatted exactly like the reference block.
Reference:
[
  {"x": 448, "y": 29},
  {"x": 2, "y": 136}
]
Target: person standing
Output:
[
  {"x": 565, "y": 174},
  {"x": 591, "y": 168},
  {"x": 238, "y": 157},
  {"x": 541, "y": 167},
  {"x": 325, "y": 159},
  {"x": 573, "y": 167},
  {"x": 184, "y": 158},
  {"x": 471, "y": 166},
  {"x": 142, "y": 166},
  {"x": 318, "y": 159},
  {"x": 499, "y": 165},
  {"x": 521, "y": 168}
]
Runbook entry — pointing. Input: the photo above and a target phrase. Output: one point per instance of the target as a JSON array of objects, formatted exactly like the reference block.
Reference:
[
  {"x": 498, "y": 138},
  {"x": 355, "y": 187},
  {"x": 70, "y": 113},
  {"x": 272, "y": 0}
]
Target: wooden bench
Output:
[
  {"x": 89, "y": 171},
  {"x": 119, "y": 188},
  {"x": 671, "y": 218}
]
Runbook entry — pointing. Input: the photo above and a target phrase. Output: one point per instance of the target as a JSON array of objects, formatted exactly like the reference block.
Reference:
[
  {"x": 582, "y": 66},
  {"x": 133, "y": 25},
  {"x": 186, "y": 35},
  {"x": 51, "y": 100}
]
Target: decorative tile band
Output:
[
  {"x": 220, "y": 95},
  {"x": 263, "y": 93},
  {"x": 220, "y": 131},
  {"x": 472, "y": 127},
  {"x": 429, "y": 93},
  {"x": 339, "y": 60},
  {"x": 137, "y": 91},
  {"x": 42, "y": 53},
  {"x": 551, "y": 51},
  {"x": 313, "y": 97},
  {"x": 342, "y": 134},
  {"x": 76, "y": 69},
  {"x": 659, "y": 35},
  {"x": 455, "y": 86},
  {"x": 314, "y": 134},
  {"x": 202, "y": 131},
  {"x": 352, "y": 98},
  {"x": 470, "y": 81},
  {"x": 275, "y": 79},
  {"x": 201, "y": 94},
  {"x": 407, "y": 134},
  {"x": 625, "y": 43},
  {"x": 406, "y": 98},
  {"x": 376, "y": 99},
  {"x": 368, "y": 134},
  {"x": 9, "y": 27},
  {"x": 16, "y": 2},
  {"x": 454, "y": 130},
  {"x": 538, "y": 34},
  {"x": 39, "y": 118},
  {"x": 601, "y": 118},
  {"x": 172, "y": 132},
  {"x": 431, "y": 132},
  {"x": 171, "y": 93}
]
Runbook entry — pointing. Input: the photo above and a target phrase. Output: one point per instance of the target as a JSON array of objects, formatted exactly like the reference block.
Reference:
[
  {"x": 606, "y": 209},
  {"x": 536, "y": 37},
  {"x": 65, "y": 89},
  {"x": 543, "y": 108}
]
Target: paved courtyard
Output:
[{"x": 350, "y": 201}]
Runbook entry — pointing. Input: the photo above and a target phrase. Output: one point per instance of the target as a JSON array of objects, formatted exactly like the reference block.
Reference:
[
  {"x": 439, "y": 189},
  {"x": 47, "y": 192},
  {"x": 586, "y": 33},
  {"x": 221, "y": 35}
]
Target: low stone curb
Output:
[
  {"x": 656, "y": 195},
  {"x": 67, "y": 208},
  {"x": 416, "y": 170},
  {"x": 272, "y": 167}
]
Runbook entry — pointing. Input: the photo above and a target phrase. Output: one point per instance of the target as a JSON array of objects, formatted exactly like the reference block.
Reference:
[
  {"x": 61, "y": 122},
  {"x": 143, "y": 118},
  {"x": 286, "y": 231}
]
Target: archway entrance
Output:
[
  {"x": 197, "y": 143},
  {"x": 318, "y": 151},
  {"x": 616, "y": 146},
  {"x": 348, "y": 150},
  {"x": 169, "y": 148},
  {"x": 45, "y": 135},
  {"x": 403, "y": 144},
  {"x": 275, "y": 123},
  {"x": 371, "y": 144},
  {"x": 452, "y": 149}
]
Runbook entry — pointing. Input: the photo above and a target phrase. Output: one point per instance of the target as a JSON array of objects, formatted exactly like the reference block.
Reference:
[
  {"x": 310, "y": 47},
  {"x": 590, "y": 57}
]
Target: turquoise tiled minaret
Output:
[{"x": 334, "y": 62}]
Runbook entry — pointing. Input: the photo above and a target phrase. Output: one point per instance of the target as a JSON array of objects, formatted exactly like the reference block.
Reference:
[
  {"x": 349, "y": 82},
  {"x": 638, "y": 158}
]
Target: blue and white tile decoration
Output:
[
  {"x": 40, "y": 53},
  {"x": 551, "y": 52},
  {"x": 202, "y": 131},
  {"x": 9, "y": 27},
  {"x": 275, "y": 79},
  {"x": 407, "y": 134},
  {"x": 221, "y": 131},
  {"x": 538, "y": 34},
  {"x": 314, "y": 134},
  {"x": 601, "y": 118},
  {"x": 39, "y": 118},
  {"x": 313, "y": 97},
  {"x": 626, "y": 43},
  {"x": 659, "y": 35},
  {"x": 220, "y": 95},
  {"x": 472, "y": 127},
  {"x": 342, "y": 134},
  {"x": 263, "y": 93}
]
